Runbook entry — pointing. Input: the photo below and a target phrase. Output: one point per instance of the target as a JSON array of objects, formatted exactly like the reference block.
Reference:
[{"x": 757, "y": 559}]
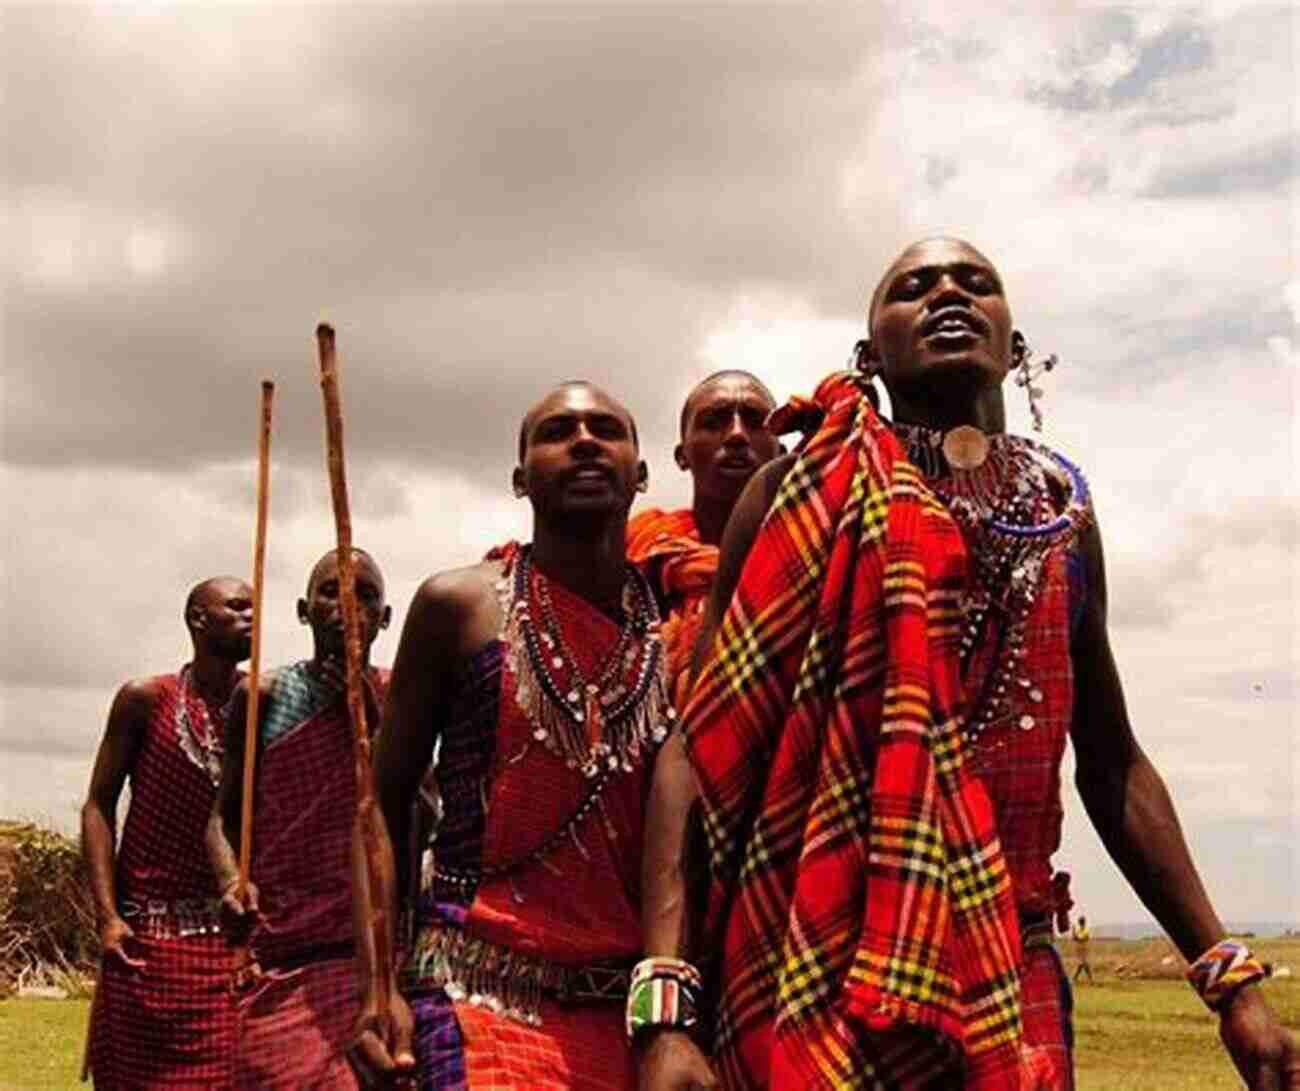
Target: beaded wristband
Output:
[
  {"x": 664, "y": 992},
  {"x": 1222, "y": 970}
]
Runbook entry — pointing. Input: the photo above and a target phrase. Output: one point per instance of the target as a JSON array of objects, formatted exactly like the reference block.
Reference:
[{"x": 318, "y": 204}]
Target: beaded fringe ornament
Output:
[
  {"x": 1009, "y": 520},
  {"x": 606, "y": 723},
  {"x": 487, "y": 975}
]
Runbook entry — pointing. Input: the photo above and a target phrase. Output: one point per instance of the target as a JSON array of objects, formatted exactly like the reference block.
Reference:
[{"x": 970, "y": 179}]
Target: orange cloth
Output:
[{"x": 666, "y": 544}]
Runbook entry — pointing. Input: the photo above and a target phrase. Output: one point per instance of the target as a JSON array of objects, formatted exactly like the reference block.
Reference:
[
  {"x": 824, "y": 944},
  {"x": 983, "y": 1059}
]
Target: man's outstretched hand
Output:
[
  {"x": 1266, "y": 1054},
  {"x": 380, "y": 1053}
]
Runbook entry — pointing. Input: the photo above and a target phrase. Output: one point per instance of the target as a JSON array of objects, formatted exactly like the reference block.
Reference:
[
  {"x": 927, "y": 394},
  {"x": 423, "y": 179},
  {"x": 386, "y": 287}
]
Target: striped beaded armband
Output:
[
  {"x": 1222, "y": 970},
  {"x": 664, "y": 992}
]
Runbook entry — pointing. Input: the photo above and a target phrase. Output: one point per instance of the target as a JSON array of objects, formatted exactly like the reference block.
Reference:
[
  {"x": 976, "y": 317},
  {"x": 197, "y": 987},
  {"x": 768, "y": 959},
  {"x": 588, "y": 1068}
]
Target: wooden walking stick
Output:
[
  {"x": 246, "y": 966},
  {"x": 255, "y": 655},
  {"x": 368, "y": 817}
]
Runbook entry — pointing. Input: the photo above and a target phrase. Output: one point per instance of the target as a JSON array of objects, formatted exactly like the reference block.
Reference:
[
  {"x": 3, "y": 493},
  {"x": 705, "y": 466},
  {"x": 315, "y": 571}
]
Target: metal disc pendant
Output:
[{"x": 965, "y": 447}]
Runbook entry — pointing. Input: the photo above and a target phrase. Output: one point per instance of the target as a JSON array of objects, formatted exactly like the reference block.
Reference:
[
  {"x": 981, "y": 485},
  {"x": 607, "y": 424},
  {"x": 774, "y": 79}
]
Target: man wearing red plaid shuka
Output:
[
  {"x": 162, "y": 1015},
  {"x": 297, "y": 1001},
  {"x": 926, "y": 578}
]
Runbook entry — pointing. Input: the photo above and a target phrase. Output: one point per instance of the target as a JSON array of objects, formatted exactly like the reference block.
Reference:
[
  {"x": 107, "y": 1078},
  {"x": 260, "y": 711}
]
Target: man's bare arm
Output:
[
  {"x": 671, "y": 1060},
  {"x": 1131, "y": 809},
  {"x": 673, "y": 790},
  {"x": 446, "y": 616},
  {"x": 118, "y": 751}
]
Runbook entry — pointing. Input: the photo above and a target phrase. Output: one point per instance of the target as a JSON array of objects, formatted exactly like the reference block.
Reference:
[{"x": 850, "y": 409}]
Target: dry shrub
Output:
[{"x": 47, "y": 920}]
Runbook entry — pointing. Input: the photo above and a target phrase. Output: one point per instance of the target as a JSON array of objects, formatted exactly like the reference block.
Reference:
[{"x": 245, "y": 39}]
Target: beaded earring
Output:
[{"x": 1027, "y": 372}]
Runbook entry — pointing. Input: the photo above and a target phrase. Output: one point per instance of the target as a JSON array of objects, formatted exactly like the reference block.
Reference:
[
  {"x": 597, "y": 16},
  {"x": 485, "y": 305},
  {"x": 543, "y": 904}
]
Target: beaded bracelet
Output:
[
  {"x": 1222, "y": 970},
  {"x": 664, "y": 992}
]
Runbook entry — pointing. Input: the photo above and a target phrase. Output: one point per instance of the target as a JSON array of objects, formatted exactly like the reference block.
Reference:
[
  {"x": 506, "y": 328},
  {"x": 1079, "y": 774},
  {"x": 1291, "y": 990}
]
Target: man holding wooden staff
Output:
[
  {"x": 163, "y": 1015},
  {"x": 543, "y": 671},
  {"x": 296, "y": 1013}
]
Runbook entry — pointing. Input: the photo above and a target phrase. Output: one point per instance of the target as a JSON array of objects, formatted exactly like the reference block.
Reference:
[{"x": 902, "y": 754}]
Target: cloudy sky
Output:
[{"x": 488, "y": 199}]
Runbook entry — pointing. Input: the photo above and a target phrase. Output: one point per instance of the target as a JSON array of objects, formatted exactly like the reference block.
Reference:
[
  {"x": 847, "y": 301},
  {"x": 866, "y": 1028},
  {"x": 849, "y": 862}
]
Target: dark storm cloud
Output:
[{"x": 479, "y": 198}]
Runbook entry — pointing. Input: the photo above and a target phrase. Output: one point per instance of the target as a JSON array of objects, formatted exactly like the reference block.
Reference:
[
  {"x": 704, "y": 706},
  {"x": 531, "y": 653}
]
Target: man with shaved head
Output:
[
  {"x": 299, "y": 1003},
  {"x": 162, "y": 1015},
  {"x": 540, "y": 673},
  {"x": 724, "y": 439},
  {"x": 909, "y": 623}
]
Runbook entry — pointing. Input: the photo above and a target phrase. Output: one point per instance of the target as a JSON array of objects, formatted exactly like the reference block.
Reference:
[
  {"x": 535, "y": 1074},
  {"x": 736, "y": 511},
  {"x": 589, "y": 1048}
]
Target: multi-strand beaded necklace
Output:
[
  {"x": 999, "y": 490},
  {"x": 597, "y": 724},
  {"x": 602, "y": 727},
  {"x": 202, "y": 745}
]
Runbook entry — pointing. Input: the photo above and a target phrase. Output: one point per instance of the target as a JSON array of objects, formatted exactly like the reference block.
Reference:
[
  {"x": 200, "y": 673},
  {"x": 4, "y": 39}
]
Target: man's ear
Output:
[
  {"x": 517, "y": 482},
  {"x": 679, "y": 456},
  {"x": 197, "y": 619},
  {"x": 302, "y": 611},
  {"x": 642, "y": 476},
  {"x": 387, "y": 618}
]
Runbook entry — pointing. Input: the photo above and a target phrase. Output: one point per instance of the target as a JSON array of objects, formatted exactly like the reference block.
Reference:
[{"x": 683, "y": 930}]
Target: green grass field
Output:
[{"x": 1131, "y": 1035}]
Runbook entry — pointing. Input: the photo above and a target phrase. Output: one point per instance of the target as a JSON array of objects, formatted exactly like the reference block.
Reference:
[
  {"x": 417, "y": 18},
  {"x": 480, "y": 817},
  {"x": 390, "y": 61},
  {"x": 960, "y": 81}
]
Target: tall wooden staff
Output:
[
  {"x": 255, "y": 655},
  {"x": 368, "y": 818}
]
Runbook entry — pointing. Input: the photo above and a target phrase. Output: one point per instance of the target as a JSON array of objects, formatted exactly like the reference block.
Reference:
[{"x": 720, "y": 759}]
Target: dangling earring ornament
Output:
[{"x": 1027, "y": 372}]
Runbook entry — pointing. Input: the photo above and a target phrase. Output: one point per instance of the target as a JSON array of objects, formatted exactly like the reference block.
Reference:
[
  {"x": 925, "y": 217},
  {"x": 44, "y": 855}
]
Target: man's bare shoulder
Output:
[
  {"x": 139, "y": 694},
  {"x": 459, "y": 591}
]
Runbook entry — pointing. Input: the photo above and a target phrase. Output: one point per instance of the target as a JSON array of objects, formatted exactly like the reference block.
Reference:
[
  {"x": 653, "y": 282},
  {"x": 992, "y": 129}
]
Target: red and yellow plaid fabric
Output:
[{"x": 868, "y": 932}]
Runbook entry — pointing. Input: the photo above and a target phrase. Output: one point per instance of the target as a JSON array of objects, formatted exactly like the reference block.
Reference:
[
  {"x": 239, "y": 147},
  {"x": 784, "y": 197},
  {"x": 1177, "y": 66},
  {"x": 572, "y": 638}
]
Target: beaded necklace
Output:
[
  {"x": 604, "y": 723},
  {"x": 601, "y": 728},
  {"x": 1010, "y": 521},
  {"x": 202, "y": 747}
]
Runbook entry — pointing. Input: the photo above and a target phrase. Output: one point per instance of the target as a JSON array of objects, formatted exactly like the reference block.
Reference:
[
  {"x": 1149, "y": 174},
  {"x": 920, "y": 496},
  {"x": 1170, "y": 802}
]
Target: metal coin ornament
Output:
[{"x": 965, "y": 447}]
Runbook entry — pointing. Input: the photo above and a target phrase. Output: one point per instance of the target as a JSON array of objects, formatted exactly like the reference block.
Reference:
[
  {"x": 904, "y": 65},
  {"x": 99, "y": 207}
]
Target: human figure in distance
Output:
[
  {"x": 942, "y": 341},
  {"x": 162, "y": 1016},
  {"x": 297, "y": 1007},
  {"x": 541, "y": 672},
  {"x": 1082, "y": 936},
  {"x": 724, "y": 440}
]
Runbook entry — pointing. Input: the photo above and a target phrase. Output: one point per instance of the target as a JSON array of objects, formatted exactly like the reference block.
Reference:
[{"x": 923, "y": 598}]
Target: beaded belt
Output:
[
  {"x": 159, "y": 918},
  {"x": 504, "y": 980}
]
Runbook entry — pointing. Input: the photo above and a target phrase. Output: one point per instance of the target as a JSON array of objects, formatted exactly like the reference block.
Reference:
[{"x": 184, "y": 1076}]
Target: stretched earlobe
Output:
[
  {"x": 517, "y": 483},
  {"x": 863, "y": 359},
  {"x": 679, "y": 456},
  {"x": 302, "y": 612}
]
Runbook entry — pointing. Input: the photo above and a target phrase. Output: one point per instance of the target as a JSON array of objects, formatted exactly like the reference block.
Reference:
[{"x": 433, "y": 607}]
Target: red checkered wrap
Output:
[
  {"x": 1021, "y": 770},
  {"x": 172, "y": 1024},
  {"x": 577, "y": 907},
  {"x": 304, "y": 803},
  {"x": 294, "y": 1026},
  {"x": 869, "y": 937}
]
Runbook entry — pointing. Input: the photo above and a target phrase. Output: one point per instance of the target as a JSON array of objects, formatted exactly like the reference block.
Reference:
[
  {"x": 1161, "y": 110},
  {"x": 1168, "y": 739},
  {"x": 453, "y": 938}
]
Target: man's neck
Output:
[
  {"x": 214, "y": 677},
  {"x": 982, "y": 408},
  {"x": 592, "y": 566},
  {"x": 321, "y": 658},
  {"x": 711, "y": 515}
]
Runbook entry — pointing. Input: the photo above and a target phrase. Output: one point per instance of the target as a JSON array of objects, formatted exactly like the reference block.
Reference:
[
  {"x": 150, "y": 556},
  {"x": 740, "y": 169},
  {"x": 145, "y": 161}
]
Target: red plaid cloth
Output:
[
  {"x": 682, "y": 568},
  {"x": 172, "y": 1024},
  {"x": 294, "y": 1026},
  {"x": 869, "y": 937},
  {"x": 304, "y": 803}
]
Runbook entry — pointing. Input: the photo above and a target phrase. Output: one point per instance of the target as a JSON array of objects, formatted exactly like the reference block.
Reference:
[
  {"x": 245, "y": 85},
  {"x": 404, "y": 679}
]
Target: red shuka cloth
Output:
[
  {"x": 172, "y": 1024},
  {"x": 293, "y": 1024},
  {"x": 580, "y": 906},
  {"x": 666, "y": 544},
  {"x": 868, "y": 932}
]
